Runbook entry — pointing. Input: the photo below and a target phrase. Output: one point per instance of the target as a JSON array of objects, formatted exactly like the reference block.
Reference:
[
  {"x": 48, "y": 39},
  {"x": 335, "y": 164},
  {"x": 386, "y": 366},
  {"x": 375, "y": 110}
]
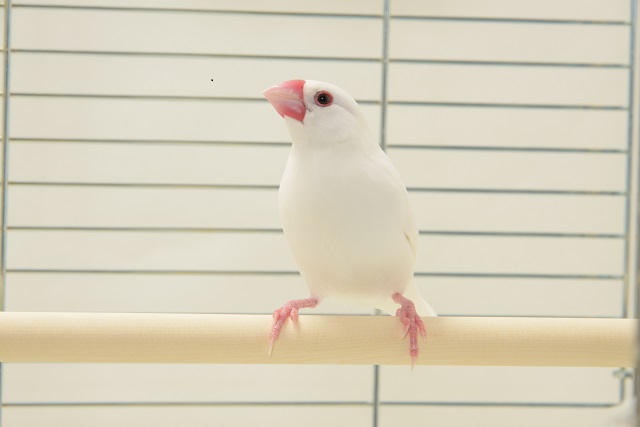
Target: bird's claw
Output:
[
  {"x": 413, "y": 325},
  {"x": 279, "y": 318},
  {"x": 294, "y": 317},
  {"x": 288, "y": 311},
  {"x": 272, "y": 341}
]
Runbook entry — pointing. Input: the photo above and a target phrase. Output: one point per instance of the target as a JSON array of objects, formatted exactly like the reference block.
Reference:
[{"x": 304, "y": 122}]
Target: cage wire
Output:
[{"x": 391, "y": 23}]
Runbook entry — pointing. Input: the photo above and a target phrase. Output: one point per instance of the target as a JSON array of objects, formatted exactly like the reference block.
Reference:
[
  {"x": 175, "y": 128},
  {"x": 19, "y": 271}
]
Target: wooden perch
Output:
[{"x": 219, "y": 338}]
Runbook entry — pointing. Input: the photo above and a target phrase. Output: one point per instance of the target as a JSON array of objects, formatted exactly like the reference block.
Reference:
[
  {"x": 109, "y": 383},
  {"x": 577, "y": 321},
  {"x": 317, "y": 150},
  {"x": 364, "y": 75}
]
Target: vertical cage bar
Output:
[
  {"x": 5, "y": 151},
  {"x": 376, "y": 395},
  {"x": 629, "y": 267},
  {"x": 5, "y": 169},
  {"x": 383, "y": 143},
  {"x": 385, "y": 73},
  {"x": 634, "y": 267}
]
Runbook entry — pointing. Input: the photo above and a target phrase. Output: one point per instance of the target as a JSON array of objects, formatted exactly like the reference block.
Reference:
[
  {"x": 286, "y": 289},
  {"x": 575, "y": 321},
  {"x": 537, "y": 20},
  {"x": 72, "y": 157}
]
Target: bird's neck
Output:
[{"x": 351, "y": 146}]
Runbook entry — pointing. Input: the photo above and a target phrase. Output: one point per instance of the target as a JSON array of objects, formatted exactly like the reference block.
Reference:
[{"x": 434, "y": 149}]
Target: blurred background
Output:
[{"x": 144, "y": 165}]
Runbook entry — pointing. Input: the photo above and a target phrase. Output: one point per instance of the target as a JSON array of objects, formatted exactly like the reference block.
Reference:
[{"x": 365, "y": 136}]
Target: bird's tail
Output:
[{"x": 422, "y": 307}]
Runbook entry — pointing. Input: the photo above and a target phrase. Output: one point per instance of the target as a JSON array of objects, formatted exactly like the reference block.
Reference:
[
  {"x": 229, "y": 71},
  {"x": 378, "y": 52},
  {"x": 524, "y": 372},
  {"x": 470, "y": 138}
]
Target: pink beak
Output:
[{"x": 287, "y": 98}]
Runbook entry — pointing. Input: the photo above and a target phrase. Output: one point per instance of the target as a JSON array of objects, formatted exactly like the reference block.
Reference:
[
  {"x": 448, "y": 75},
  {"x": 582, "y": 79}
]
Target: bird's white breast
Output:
[{"x": 347, "y": 219}]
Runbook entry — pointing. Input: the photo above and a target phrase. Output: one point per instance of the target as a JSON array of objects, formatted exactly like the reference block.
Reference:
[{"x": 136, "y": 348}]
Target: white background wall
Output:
[{"x": 144, "y": 167}]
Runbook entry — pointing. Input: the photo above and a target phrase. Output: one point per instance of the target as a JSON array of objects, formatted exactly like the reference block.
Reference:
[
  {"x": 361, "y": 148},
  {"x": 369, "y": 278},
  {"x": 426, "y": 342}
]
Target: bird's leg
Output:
[
  {"x": 413, "y": 324},
  {"x": 288, "y": 310}
]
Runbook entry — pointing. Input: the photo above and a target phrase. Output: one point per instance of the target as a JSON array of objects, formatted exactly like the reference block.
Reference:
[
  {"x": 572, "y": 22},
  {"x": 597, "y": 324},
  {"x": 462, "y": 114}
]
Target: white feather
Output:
[{"x": 344, "y": 209}]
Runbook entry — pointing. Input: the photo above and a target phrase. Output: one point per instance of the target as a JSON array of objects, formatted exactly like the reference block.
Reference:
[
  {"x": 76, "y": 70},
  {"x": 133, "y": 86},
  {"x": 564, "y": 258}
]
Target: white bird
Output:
[{"x": 344, "y": 209}]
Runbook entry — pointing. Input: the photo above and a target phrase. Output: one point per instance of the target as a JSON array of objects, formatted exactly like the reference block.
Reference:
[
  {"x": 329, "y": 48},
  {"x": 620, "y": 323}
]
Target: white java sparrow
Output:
[{"x": 345, "y": 211}]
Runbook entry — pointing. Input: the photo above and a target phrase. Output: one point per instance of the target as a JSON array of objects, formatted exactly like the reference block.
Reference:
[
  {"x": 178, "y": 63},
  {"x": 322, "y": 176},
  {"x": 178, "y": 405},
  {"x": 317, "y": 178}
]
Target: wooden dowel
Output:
[{"x": 203, "y": 338}]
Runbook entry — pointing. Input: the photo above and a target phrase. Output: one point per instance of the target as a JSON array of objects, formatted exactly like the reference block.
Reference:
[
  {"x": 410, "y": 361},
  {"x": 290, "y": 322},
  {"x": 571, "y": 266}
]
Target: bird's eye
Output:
[{"x": 323, "y": 98}]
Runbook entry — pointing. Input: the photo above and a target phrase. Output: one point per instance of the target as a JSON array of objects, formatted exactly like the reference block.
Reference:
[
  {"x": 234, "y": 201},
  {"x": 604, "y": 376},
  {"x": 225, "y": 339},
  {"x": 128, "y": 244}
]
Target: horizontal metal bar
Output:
[
  {"x": 150, "y": 141},
  {"x": 138, "y": 97},
  {"x": 250, "y": 230},
  {"x": 522, "y": 275},
  {"x": 482, "y": 63},
  {"x": 148, "y": 229},
  {"x": 275, "y": 187},
  {"x": 506, "y": 148},
  {"x": 147, "y": 185},
  {"x": 521, "y": 234},
  {"x": 510, "y": 20},
  {"x": 275, "y": 57},
  {"x": 157, "y": 97},
  {"x": 523, "y": 191},
  {"x": 198, "y": 11},
  {"x": 360, "y": 101},
  {"x": 295, "y": 273},
  {"x": 440, "y": 314},
  {"x": 314, "y": 403},
  {"x": 506, "y": 404},
  {"x": 196, "y": 55},
  {"x": 322, "y": 14},
  {"x": 177, "y": 403},
  {"x": 509, "y": 105},
  {"x": 156, "y": 272},
  {"x": 288, "y": 144}
]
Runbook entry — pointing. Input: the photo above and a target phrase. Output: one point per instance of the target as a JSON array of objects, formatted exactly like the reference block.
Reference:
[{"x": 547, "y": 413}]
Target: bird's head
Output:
[{"x": 317, "y": 112}]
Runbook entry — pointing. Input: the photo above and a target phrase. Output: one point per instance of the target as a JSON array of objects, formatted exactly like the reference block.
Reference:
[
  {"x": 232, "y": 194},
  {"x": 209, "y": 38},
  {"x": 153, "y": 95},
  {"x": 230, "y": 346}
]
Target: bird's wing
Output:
[
  {"x": 410, "y": 227},
  {"x": 410, "y": 230},
  {"x": 412, "y": 243},
  {"x": 404, "y": 209}
]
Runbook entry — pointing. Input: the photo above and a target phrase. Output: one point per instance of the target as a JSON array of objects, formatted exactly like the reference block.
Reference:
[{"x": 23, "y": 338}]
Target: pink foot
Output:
[
  {"x": 289, "y": 309},
  {"x": 412, "y": 324}
]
